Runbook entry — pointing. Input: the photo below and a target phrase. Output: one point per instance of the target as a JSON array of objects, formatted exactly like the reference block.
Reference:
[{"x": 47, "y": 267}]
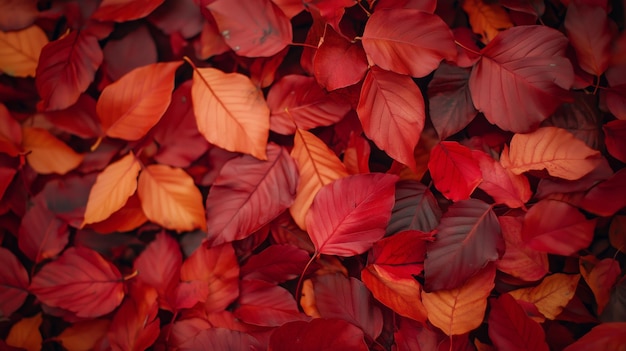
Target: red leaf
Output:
[
  {"x": 606, "y": 336},
  {"x": 218, "y": 268},
  {"x": 607, "y": 197},
  {"x": 299, "y": 101},
  {"x": 159, "y": 265},
  {"x": 557, "y": 227},
  {"x": 252, "y": 28},
  {"x": 125, "y": 10},
  {"x": 601, "y": 278},
  {"x": 66, "y": 68},
  {"x": 219, "y": 339},
  {"x": 351, "y": 213},
  {"x": 414, "y": 336},
  {"x": 450, "y": 103},
  {"x": 94, "y": 284},
  {"x": 42, "y": 235},
  {"x": 17, "y": 14},
  {"x": 518, "y": 260},
  {"x": 415, "y": 209},
  {"x": 467, "y": 239},
  {"x": 357, "y": 154},
  {"x": 13, "y": 283},
  {"x": 511, "y": 329},
  {"x": 135, "y": 325},
  {"x": 265, "y": 304},
  {"x": 500, "y": 183},
  {"x": 393, "y": 41},
  {"x": 10, "y": 133},
  {"x": 79, "y": 119},
  {"x": 391, "y": 110},
  {"x": 318, "y": 334},
  {"x": 249, "y": 193},
  {"x": 331, "y": 11},
  {"x": 454, "y": 171},
  {"x": 180, "y": 142},
  {"x": 614, "y": 136},
  {"x": 137, "y": 48},
  {"x": 348, "y": 299},
  {"x": 426, "y": 6},
  {"x": 335, "y": 48},
  {"x": 402, "y": 252},
  {"x": 589, "y": 33},
  {"x": 276, "y": 264},
  {"x": 522, "y": 77}
]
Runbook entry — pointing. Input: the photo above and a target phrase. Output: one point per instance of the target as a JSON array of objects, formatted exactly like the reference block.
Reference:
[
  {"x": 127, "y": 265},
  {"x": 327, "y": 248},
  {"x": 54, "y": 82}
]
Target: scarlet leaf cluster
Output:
[{"x": 312, "y": 174}]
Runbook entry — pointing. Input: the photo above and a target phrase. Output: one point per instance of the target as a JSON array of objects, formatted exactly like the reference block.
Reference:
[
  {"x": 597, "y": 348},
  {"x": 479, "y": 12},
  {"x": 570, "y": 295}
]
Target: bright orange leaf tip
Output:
[
  {"x": 487, "y": 19},
  {"x": 170, "y": 198},
  {"x": 47, "y": 154},
  {"x": 553, "y": 149},
  {"x": 113, "y": 186},
  {"x": 551, "y": 295},
  {"x": 25, "y": 334},
  {"x": 129, "y": 107},
  {"x": 460, "y": 310},
  {"x": 20, "y": 50},
  {"x": 231, "y": 111}
]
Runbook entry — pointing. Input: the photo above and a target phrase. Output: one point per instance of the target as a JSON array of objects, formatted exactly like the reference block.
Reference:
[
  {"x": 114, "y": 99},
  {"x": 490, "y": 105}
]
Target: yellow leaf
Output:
[
  {"x": 552, "y": 295},
  {"x": 25, "y": 334},
  {"x": 553, "y": 149},
  {"x": 486, "y": 19},
  {"x": 460, "y": 310},
  {"x": 230, "y": 111},
  {"x": 318, "y": 165},
  {"x": 47, "y": 154},
  {"x": 83, "y": 336},
  {"x": 170, "y": 198},
  {"x": 113, "y": 186},
  {"x": 20, "y": 50}
]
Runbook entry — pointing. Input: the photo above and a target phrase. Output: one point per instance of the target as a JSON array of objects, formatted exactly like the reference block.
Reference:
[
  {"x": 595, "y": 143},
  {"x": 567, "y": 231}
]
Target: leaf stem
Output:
[
  {"x": 467, "y": 49},
  {"x": 299, "y": 285},
  {"x": 304, "y": 45},
  {"x": 364, "y": 9},
  {"x": 131, "y": 276}
]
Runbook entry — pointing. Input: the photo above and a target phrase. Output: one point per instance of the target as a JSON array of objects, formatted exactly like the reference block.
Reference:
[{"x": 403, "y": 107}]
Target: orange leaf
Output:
[
  {"x": 20, "y": 50},
  {"x": 127, "y": 218},
  {"x": 552, "y": 295},
  {"x": 460, "y": 310},
  {"x": 112, "y": 189},
  {"x": 47, "y": 153},
  {"x": 486, "y": 19},
  {"x": 83, "y": 336},
  {"x": 402, "y": 295},
  {"x": 553, "y": 149},
  {"x": 231, "y": 112},
  {"x": 318, "y": 165},
  {"x": 132, "y": 105},
  {"x": 170, "y": 198},
  {"x": 25, "y": 334}
]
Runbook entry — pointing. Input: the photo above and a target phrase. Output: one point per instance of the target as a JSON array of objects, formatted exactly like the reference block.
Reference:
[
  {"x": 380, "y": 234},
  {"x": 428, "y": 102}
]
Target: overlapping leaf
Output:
[
  {"x": 265, "y": 304},
  {"x": 317, "y": 166},
  {"x": 487, "y": 19},
  {"x": 589, "y": 32},
  {"x": 551, "y": 295},
  {"x": 553, "y": 149},
  {"x": 522, "y": 77},
  {"x": 351, "y": 213},
  {"x": 25, "y": 334},
  {"x": 42, "y": 235},
  {"x": 13, "y": 283},
  {"x": 511, "y": 329},
  {"x": 331, "y": 333},
  {"x": 500, "y": 183},
  {"x": 114, "y": 185},
  {"x": 415, "y": 208},
  {"x": 20, "y": 50},
  {"x": 519, "y": 260},
  {"x": 170, "y": 198},
  {"x": 393, "y": 42},
  {"x": 47, "y": 154},
  {"x": 80, "y": 281},
  {"x": 124, "y": 10},
  {"x": 454, "y": 171},
  {"x": 132, "y": 105},
  {"x": 249, "y": 193},
  {"x": 230, "y": 111},
  {"x": 392, "y": 112},
  {"x": 467, "y": 239}
]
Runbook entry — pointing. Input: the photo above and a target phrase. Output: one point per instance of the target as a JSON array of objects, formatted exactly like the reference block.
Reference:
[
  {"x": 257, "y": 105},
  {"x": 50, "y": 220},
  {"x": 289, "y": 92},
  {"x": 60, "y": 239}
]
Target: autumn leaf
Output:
[
  {"x": 553, "y": 149},
  {"x": 391, "y": 110},
  {"x": 351, "y": 213},
  {"x": 124, "y": 10},
  {"x": 94, "y": 284},
  {"x": 47, "y": 154},
  {"x": 20, "y": 50},
  {"x": 114, "y": 185},
  {"x": 25, "y": 334},
  {"x": 589, "y": 32},
  {"x": 511, "y": 329},
  {"x": 519, "y": 260},
  {"x": 318, "y": 333},
  {"x": 317, "y": 166},
  {"x": 601, "y": 277},
  {"x": 266, "y": 304},
  {"x": 230, "y": 111},
  {"x": 502, "y": 184},
  {"x": 42, "y": 235},
  {"x": 13, "y": 283},
  {"x": 454, "y": 171},
  {"x": 530, "y": 59},
  {"x": 249, "y": 193},
  {"x": 415, "y": 208},
  {"x": 83, "y": 336},
  {"x": 486, "y": 19},
  {"x": 551, "y": 295},
  {"x": 392, "y": 41},
  {"x": 460, "y": 310},
  {"x": 129, "y": 107},
  {"x": 606, "y": 336},
  {"x": 170, "y": 198}
]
